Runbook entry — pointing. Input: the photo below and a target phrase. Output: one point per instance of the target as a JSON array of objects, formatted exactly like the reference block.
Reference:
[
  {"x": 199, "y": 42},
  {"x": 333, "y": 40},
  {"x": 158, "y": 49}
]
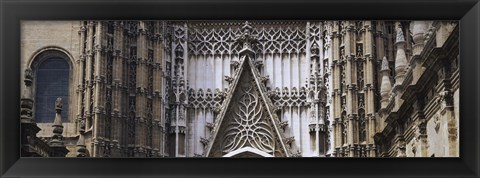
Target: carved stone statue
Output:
[
  {"x": 359, "y": 50},
  {"x": 315, "y": 51}
]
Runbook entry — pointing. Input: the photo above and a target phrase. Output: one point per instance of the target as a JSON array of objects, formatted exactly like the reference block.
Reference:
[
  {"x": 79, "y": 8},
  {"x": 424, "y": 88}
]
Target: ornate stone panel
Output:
[{"x": 247, "y": 122}]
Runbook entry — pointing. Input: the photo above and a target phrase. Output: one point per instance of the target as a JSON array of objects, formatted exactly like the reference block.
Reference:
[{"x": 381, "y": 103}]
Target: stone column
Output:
[
  {"x": 117, "y": 87},
  {"x": 89, "y": 77},
  {"x": 349, "y": 80},
  {"x": 369, "y": 89},
  {"x": 99, "y": 92},
  {"x": 157, "y": 104},
  {"x": 81, "y": 79},
  {"x": 328, "y": 79},
  {"x": 178, "y": 122},
  {"x": 141, "y": 85},
  {"x": 315, "y": 88},
  {"x": 336, "y": 95}
]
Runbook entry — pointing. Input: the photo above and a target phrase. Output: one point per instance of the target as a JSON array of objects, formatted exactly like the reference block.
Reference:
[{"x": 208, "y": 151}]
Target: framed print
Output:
[{"x": 207, "y": 88}]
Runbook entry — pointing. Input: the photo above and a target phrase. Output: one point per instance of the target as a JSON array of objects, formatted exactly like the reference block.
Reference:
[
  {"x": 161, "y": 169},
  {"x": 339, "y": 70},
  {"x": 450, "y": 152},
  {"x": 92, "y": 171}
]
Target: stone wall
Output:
[{"x": 39, "y": 36}]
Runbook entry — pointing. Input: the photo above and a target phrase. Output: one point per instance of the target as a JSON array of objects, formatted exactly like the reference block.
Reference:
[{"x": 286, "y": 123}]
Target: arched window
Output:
[{"x": 51, "y": 82}]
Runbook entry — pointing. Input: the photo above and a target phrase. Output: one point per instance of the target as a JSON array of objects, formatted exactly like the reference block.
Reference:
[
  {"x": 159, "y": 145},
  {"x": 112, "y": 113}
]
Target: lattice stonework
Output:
[{"x": 272, "y": 39}]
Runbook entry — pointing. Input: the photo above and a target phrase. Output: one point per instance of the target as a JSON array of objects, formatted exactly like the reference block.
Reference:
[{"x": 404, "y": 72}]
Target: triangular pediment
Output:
[{"x": 247, "y": 118}]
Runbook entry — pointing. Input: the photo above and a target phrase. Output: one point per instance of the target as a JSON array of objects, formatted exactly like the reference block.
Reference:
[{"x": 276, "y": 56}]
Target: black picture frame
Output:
[{"x": 466, "y": 11}]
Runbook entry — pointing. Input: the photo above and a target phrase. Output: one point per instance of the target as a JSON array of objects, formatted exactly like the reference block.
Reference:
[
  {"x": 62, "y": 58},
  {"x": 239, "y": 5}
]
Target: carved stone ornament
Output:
[
  {"x": 385, "y": 63},
  {"x": 28, "y": 76},
  {"x": 246, "y": 39},
  {"x": 58, "y": 104},
  {"x": 400, "y": 37}
]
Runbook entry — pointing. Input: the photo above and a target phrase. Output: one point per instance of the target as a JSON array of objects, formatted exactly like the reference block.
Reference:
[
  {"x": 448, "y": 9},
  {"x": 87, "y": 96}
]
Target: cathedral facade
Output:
[{"x": 243, "y": 89}]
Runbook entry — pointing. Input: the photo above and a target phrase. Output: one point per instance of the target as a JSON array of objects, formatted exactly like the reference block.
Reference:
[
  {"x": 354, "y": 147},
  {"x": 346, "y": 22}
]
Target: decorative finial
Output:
[
  {"x": 385, "y": 64},
  {"x": 58, "y": 105},
  {"x": 247, "y": 26},
  {"x": 400, "y": 37},
  {"x": 246, "y": 39},
  {"x": 57, "y": 124},
  {"x": 386, "y": 85}
]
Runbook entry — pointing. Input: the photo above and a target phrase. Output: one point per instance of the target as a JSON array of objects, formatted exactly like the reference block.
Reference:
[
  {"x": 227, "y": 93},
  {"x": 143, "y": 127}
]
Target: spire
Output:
[
  {"x": 400, "y": 58},
  {"x": 246, "y": 39},
  {"x": 56, "y": 143},
  {"x": 386, "y": 86}
]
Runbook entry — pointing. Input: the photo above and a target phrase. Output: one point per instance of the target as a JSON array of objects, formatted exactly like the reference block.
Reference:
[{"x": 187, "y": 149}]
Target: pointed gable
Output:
[{"x": 247, "y": 118}]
